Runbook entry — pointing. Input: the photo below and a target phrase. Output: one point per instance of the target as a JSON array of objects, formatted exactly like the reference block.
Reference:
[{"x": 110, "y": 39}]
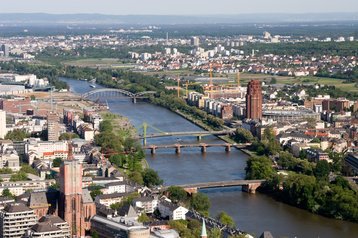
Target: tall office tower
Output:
[
  {"x": 195, "y": 41},
  {"x": 15, "y": 220},
  {"x": 5, "y": 50},
  {"x": 52, "y": 127},
  {"x": 2, "y": 124},
  {"x": 254, "y": 100},
  {"x": 76, "y": 206}
]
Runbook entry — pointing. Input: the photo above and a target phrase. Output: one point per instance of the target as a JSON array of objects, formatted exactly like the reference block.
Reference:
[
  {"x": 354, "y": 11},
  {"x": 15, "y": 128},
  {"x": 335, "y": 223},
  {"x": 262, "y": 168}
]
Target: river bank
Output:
[{"x": 252, "y": 213}]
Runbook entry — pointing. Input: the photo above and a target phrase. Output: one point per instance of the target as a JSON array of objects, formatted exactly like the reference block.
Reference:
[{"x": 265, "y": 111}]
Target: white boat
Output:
[{"x": 92, "y": 86}]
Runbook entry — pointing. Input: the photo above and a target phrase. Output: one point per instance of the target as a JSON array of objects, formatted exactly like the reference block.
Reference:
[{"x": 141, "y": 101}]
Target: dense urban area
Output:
[{"x": 69, "y": 167}]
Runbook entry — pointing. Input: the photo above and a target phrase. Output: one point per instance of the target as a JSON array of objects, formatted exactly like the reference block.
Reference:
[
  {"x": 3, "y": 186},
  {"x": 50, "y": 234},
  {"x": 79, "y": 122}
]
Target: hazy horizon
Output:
[{"x": 184, "y": 7}]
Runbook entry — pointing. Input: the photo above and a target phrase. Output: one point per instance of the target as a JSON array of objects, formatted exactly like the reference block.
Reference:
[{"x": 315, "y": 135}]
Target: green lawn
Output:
[{"x": 101, "y": 63}]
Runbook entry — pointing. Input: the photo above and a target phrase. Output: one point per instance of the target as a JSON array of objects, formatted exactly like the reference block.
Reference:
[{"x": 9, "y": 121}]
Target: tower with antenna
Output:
[{"x": 167, "y": 39}]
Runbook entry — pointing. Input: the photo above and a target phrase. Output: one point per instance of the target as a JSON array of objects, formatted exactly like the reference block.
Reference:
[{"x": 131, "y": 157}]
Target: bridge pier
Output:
[
  {"x": 153, "y": 150},
  {"x": 144, "y": 141},
  {"x": 228, "y": 148},
  {"x": 203, "y": 149},
  {"x": 177, "y": 149},
  {"x": 134, "y": 100},
  {"x": 250, "y": 188},
  {"x": 199, "y": 138}
]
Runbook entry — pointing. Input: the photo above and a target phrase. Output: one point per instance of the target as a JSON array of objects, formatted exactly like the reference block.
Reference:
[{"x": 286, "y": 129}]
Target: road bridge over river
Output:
[
  {"x": 203, "y": 146},
  {"x": 249, "y": 186}
]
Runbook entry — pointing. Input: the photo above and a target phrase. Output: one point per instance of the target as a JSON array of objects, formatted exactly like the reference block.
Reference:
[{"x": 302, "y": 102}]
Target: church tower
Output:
[
  {"x": 76, "y": 206},
  {"x": 203, "y": 230}
]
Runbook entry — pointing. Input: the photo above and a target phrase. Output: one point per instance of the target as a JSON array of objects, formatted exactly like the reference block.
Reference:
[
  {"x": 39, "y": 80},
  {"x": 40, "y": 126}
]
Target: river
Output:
[{"x": 252, "y": 213}]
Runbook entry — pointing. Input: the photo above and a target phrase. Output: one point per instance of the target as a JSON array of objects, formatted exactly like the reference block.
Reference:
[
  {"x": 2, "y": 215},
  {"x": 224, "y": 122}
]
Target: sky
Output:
[{"x": 177, "y": 7}]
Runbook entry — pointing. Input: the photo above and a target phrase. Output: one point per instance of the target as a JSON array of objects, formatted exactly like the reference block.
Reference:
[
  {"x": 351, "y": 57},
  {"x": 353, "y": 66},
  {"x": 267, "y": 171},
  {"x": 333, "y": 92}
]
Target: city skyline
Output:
[{"x": 185, "y": 7}]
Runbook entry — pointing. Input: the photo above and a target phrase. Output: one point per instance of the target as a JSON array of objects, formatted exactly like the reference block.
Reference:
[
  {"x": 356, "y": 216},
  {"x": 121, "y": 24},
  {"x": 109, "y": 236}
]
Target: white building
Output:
[
  {"x": 147, "y": 204},
  {"x": 15, "y": 220},
  {"x": 10, "y": 159},
  {"x": 46, "y": 150},
  {"x": 174, "y": 212},
  {"x": 115, "y": 187}
]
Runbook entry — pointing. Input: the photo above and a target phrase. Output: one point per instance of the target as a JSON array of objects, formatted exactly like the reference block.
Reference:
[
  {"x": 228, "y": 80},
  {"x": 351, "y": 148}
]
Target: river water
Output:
[{"x": 252, "y": 213}]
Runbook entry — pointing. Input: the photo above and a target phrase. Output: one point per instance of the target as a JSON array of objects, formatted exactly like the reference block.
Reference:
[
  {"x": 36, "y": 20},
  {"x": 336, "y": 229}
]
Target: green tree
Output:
[
  {"x": 273, "y": 80},
  {"x": 286, "y": 160},
  {"x": 17, "y": 135},
  {"x": 56, "y": 162},
  {"x": 143, "y": 218},
  {"x": 19, "y": 176},
  {"x": 25, "y": 168},
  {"x": 136, "y": 177},
  {"x": 322, "y": 169},
  {"x": 201, "y": 203},
  {"x": 151, "y": 178},
  {"x": 95, "y": 193},
  {"x": 225, "y": 219},
  {"x": 215, "y": 233},
  {"x": 94, "y": 234},
  {"x": 6, "y": 171},
  {"x": 68, "y": 136},
  {"x": 259, "y": 168},
  {"x": 6, "y": 193},
  {"x": 177, "y": 194},
  {"x": 243, "y": 136},
  {"x": 106, "y": 125}
]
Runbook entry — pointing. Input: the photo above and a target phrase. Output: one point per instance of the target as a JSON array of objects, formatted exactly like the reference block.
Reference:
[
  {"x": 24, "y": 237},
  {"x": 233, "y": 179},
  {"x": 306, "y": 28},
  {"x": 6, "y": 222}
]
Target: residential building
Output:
[
  {"x": 52, "y": 127},
  {"x": 109, "y": 228},
  {"x": 147, "y": 204},
  {"x": 45, "y": 150},
  {"x": 15, "y": 220},
  {"x": 172, "y": 211},
  {"x": 109, "y": 199}
]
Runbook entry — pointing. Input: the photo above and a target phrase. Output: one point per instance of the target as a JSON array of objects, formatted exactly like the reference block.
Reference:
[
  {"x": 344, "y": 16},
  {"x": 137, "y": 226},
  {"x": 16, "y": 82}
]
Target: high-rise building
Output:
[
  {"x": 2, "y": 124},
  {"x": 5, "y": 50},
  {"x": 76, "y": 206},
  {"x": 52, "y": 127},
  {"x": 15, "y": 220},
  {"x": 195, "y": 41},
  {"x": 254, "y": 100}
]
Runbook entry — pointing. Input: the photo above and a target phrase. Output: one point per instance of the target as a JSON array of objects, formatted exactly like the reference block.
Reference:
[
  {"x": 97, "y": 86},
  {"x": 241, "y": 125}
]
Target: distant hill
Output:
[{"x": 100, "y": 19}]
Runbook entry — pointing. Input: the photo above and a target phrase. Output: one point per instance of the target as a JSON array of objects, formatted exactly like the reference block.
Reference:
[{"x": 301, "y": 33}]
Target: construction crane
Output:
[{"x": 211, "y": 76}]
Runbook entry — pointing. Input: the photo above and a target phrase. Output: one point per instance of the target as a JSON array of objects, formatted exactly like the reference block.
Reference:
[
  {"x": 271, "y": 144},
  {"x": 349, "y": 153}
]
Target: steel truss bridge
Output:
[{"x": 117, "y": 92}]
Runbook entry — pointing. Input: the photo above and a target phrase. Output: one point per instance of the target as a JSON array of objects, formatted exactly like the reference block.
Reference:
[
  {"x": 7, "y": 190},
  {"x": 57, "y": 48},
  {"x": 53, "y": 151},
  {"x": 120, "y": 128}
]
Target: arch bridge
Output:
[{"x": 115, "y": 92}]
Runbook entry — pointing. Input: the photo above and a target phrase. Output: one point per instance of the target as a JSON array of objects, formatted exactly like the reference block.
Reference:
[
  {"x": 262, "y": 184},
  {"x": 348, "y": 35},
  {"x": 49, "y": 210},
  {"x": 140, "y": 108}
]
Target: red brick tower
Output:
[
  {"x": 76, "y": 206},
  {"x": 254, "y": 100}
]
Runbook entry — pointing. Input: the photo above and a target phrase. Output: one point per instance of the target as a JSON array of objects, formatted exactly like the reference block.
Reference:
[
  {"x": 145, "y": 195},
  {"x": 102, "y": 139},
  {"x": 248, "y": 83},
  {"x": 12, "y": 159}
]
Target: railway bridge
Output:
[{"x": 114, "y": 92}]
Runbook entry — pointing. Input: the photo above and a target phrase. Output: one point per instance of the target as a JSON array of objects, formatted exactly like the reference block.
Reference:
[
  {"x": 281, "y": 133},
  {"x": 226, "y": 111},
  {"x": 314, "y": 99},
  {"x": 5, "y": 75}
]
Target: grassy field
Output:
[
  {"x": 99, "y": 63},
  {"x": 338, "y": 83}
]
